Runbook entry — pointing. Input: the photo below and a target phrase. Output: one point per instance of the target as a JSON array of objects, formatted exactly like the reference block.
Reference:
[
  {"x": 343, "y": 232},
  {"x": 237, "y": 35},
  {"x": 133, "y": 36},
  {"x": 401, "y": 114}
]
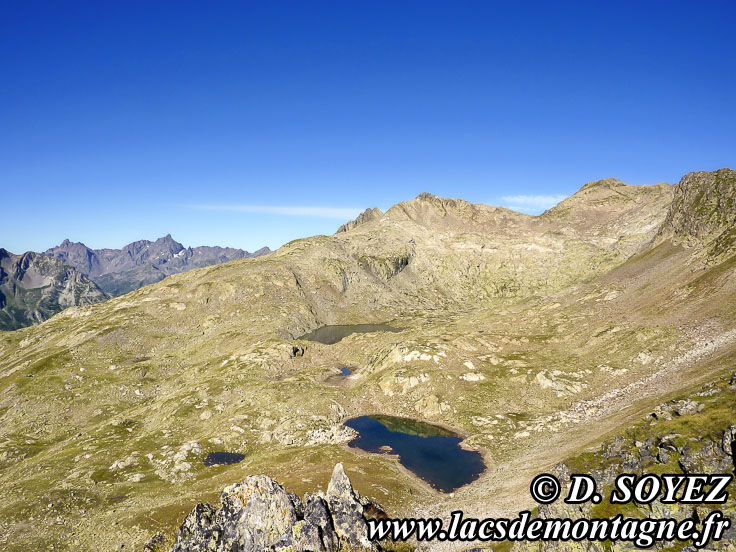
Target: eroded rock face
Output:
[
  {"x": 259, "y": 514},
  {"x": 34, "y": 287},
  {"x": 366, "y": 216},
  {"x": 704, "y": 203},
  {"x": 347, "y": 511}
]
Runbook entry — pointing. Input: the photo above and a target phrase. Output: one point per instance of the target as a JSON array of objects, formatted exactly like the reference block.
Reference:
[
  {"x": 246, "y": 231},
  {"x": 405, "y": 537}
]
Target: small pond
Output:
[
  {"x": 339, "y": 379},
  {"x": 431, "y": 452},
  {"x": 223, "y": 458},
  {"x": 329, "y": 335}
]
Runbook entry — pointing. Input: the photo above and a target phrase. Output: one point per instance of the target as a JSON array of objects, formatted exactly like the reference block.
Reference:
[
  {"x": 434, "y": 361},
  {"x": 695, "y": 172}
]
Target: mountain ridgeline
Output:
[
  {"x": 119, "y": 271},
  {"x": 35, "y": 286}
]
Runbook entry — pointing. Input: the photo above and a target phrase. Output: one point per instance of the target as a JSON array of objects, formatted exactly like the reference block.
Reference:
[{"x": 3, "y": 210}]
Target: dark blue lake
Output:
[
  {"x": 431, "y": 452},
  {"x": 222, "y": 458},
  {"x": 330, "y": 335}
]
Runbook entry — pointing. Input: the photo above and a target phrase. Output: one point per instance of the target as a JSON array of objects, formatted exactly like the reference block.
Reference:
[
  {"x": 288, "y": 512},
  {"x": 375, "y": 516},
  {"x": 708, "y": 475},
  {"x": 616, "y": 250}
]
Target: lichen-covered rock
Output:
[
  {"x": 259, "y": 514},
  {"x": 347, "y": 511},
  {"x": 201, "y": 517},
  {"x": 728, "y": 443},
  {"x": 318, "y": 532},
  {"x": 256, "y": 514}
]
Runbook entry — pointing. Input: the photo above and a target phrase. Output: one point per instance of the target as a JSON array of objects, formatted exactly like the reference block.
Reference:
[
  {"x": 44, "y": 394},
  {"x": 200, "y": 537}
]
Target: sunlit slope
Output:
[{"x": 516, "y": 328}]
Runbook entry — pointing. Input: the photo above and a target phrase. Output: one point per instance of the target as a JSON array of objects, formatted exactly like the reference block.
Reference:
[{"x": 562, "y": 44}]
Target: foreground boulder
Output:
[{"x": 259, "y": 514}]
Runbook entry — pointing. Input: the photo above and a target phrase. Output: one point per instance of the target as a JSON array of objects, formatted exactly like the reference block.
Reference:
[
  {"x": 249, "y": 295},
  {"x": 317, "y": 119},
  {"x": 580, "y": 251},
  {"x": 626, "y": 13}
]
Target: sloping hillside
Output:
[{"x": 534, "y": 337}]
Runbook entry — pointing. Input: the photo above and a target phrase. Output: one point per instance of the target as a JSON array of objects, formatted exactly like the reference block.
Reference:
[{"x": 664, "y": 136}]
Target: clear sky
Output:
[{"x": 253, "y": 123}]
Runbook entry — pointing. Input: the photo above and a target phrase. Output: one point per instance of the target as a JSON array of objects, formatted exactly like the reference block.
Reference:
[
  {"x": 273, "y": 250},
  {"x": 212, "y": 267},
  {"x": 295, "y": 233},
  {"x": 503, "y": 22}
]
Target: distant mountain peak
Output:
[{"x": 141, "y": 262}]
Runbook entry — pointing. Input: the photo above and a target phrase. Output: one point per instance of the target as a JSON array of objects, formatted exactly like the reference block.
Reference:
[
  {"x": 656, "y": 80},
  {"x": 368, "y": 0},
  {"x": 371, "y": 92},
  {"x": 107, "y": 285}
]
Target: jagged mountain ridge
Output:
[
  {"x": 458, "y": 252},
  {"x": 119, "y": 271},
  {"x": 34, "y": 287},
  {"x": 366, "y": 216},
  {"x": 703, "y": 213}
]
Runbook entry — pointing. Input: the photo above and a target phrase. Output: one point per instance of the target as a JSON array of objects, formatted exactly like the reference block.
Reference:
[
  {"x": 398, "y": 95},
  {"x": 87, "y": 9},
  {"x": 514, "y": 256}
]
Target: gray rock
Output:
[
  {"x": 347, "y": 511},
  {"x": 256, "y": 514},
  {"x": 728, "y": 443},
  {"x": 687, "y": 407},
  {"x": 664, "y": 456},
  {"x": 319, "y": 533},
  {"x": 201, "y": 517},
  {"x": 259, "y": 514}
]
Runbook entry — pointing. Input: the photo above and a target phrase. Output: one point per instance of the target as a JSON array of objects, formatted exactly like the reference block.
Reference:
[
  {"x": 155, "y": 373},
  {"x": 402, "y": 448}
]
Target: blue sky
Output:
[{"x": 253, "y": 123}]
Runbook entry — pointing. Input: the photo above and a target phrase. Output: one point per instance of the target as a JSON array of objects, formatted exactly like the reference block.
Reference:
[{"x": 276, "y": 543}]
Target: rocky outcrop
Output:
[
  {"x": 259, "y": 514},
  {"x": 366, "y": 216},
  {"x": 142, "y": 262},
  {"x": 704, "y": 206},
  {"x": 34, "y": 287}
]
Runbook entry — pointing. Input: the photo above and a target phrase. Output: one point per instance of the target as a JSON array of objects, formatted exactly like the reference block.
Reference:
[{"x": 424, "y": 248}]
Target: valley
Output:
[{"x": 533, "y": 338}]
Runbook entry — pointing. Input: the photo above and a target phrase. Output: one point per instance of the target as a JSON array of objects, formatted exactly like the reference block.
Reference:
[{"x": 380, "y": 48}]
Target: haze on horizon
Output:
[{"x": 248, "y": 125}]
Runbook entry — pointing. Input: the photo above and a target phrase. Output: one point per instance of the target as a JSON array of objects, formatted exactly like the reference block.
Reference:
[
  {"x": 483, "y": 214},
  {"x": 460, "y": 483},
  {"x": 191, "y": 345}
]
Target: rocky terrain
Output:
[
  {"x": 34, "y": 287},
  {"x": 693, "y": 435},
  {"x": 535, "y": 338},
  {"x": 118, "y": 271},
  {"x": 259, "y": 514},
  {"x": 366, "y": 216}
]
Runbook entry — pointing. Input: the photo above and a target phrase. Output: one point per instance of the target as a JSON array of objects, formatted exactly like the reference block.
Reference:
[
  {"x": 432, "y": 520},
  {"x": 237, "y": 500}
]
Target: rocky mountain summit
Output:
[
  {"x": 259, "y": 514},
  {"x": 34, "y": 287},
  {"x": 118, "y": 271}
]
